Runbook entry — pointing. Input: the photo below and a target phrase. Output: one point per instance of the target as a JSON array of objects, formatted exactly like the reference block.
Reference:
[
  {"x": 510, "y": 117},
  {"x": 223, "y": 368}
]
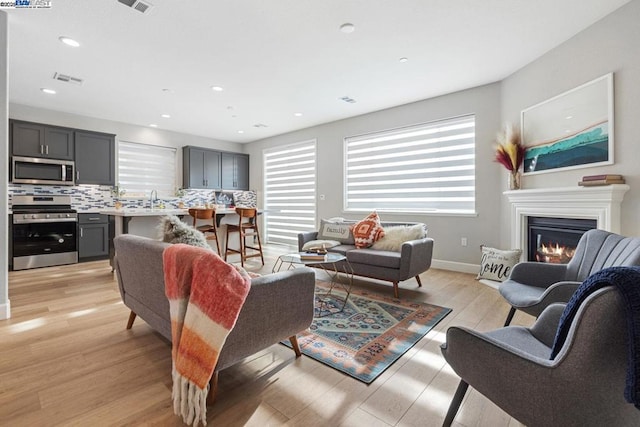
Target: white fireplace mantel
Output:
[{"x": 601, "y": 203}]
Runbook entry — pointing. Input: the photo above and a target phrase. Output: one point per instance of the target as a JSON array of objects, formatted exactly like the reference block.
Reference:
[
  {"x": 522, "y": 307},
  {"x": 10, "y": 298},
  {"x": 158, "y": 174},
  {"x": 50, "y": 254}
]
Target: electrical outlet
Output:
[
  {"x": 463, "y": 241},
  {"x": 322, "y": 197}
]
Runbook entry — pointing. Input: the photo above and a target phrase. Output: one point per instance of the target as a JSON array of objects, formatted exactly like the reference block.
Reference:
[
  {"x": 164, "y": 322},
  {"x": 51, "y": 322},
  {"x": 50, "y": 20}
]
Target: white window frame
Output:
[
  {"x": 145, "y": 168},
  {"x": 428, "y": 168}
]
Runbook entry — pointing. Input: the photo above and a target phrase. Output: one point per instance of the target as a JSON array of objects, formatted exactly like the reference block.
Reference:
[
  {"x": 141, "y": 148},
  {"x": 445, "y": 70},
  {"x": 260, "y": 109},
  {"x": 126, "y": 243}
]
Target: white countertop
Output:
[{"x": 130, "y": 212}]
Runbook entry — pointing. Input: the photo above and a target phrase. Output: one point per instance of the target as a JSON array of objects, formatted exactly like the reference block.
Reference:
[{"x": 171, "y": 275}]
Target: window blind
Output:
[
  {"x": 143, "y": 168},
  {"x": 423, "y": 168},
  {"x": 289, "y": 192}
]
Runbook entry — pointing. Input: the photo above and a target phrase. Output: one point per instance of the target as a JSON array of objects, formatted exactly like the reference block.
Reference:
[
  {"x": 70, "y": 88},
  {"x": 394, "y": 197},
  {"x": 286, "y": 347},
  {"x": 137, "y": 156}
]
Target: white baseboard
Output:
[
  {"x": 460, "y": 267},
  {"x": 5, "y": 310}
]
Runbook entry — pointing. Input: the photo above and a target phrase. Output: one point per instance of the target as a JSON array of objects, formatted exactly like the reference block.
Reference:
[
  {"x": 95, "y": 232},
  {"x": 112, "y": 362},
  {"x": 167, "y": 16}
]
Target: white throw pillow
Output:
[
  {"x": 395, "y": 236},
  {"x": 496, "y": 264}
]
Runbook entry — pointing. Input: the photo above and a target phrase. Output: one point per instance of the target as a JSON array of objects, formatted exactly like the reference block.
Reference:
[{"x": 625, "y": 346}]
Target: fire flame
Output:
[{"x": 555, "y": 254}]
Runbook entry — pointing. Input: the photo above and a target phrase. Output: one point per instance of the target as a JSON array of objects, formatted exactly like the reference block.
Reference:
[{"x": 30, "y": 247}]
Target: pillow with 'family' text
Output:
[{"x": 336, "y": 230}]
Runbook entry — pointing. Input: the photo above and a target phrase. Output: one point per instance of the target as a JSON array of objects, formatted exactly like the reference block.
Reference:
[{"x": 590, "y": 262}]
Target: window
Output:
[
  {"x": 289, "y": 192},
  {"x": 424, "y": 168},
  {"x": 143, "y": 168}
]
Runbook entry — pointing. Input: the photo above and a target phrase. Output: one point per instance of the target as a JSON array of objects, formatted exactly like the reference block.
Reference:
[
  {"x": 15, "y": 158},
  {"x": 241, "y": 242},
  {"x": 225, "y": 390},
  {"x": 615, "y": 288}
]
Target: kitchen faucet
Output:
[{"x": 153, "y": 197}]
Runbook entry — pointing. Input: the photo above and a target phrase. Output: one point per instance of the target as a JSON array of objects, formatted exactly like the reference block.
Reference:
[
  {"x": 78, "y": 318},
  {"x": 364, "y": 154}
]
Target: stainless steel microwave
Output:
[{"x": 33, "y": 170}]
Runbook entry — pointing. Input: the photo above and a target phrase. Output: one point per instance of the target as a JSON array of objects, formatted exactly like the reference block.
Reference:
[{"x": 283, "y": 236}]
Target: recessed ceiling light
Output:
[
  {"x": 166, "y": 90},
  {"x": 240, "y": 131},
  {"x": 217, "y": 88},
  {"x": 404, "y": 59},
  {"x": 49, "y": 91},
  {"x": 68, "y": 41},
  {"x": 347, "y": 28},
  {"x": 166, "y": 116},
  {"x": 153, "y": 125},
  {"x": 297, "y": 114}
]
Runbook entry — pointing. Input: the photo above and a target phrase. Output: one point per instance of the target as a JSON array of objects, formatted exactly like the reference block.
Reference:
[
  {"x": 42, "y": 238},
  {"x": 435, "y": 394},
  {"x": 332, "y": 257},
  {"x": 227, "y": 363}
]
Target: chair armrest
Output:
[
  {"x": 415, "y": 257},
  {"x": 306, "y": 237},
  {"x": 559, "y": 292},
  {"x": 538, "y": 274},
  {"x": 546, "y": 325}
]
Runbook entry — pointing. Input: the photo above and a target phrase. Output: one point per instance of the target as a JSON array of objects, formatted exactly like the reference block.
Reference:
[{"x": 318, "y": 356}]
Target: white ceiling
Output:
[{"x": 275, "y": 57}]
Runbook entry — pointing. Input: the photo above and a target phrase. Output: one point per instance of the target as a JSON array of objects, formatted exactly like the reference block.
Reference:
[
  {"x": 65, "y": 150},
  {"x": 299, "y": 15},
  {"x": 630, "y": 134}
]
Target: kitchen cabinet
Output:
[
  {"x": 93, "y": 236},
  {"x": 40, "y": 140},
  {"x": 95, "y": 155},
  {"x": 200, "y": 168},
  {"x": 235, "y": 171}
]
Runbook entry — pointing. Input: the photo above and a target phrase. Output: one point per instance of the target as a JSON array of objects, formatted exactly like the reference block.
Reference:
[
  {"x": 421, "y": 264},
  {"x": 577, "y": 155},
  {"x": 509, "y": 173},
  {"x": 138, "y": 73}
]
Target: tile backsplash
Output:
[{"x": 93, "y": 198}]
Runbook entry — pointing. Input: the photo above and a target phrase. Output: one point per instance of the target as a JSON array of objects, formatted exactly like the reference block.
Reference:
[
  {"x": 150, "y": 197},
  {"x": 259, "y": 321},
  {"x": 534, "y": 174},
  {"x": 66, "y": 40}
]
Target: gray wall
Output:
[
  {"x": 447, "y": 231},
  {"x": 610, "y": 45}
]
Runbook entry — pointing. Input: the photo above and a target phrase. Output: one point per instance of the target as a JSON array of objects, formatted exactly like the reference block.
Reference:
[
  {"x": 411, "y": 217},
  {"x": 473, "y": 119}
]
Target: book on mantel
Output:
[
  {"x": 312, "y": 256},
  {"x": 593, "y": 180}
]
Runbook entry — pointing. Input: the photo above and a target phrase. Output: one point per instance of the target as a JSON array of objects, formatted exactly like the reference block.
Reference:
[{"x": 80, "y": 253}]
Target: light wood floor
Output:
[{"x": 66, "y": 359}]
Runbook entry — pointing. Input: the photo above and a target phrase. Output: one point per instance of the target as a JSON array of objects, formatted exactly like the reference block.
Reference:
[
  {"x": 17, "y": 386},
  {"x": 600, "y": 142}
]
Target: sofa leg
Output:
[
  {"x": 510, "y": 316},
  {"x": 396, "y": 291},
  {"x": 213, "y": 389},
  {"x": 294, "y": 344},
  {"x": 455, "y": 403},
  {"x": 419, "y": 282},
  {"x": 132, "y": 317}
]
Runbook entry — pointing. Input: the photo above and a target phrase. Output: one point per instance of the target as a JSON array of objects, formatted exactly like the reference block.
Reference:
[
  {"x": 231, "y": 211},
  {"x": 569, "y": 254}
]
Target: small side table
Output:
[{"x": 329, "y": 266}]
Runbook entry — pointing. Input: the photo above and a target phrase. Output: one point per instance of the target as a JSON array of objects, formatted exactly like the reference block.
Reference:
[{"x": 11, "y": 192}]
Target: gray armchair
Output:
[
  {"x": 532, "y": 286},
  {"x": 582, "y": 386}
]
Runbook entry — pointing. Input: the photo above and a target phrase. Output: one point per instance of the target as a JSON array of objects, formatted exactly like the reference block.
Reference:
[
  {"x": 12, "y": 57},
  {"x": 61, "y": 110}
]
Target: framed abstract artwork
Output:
[{"x": 572, "y": 130}]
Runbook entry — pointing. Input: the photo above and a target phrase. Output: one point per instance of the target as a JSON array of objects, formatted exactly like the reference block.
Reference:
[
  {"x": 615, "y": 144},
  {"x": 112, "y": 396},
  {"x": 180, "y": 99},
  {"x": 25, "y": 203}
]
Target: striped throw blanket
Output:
[{"x": 205, "y": 297}]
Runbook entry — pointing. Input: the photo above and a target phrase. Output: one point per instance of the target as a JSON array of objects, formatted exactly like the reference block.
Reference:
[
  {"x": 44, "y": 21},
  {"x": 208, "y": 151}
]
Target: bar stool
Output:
[
  {"x": 210, "y": 231},
  {"x": 247, "y": 227}
]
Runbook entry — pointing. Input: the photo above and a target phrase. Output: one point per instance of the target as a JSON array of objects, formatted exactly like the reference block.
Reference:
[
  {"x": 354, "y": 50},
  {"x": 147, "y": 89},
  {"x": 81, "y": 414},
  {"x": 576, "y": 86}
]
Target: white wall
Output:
[
  {"x": 123, "y": 131},
  {"x": 5, "y": 311},
  {"x": 447, "y": 231},
  {"x": 610, "y": 45}
]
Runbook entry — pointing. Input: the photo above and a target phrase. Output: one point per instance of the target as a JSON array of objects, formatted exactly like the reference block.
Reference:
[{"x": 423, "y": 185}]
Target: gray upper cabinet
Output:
[
  {"x": 200, "y": 168},
  {"x": 235, "y": 171},
  {"x": 39, "y": 140},
  {"x": 95, "y": 158}
]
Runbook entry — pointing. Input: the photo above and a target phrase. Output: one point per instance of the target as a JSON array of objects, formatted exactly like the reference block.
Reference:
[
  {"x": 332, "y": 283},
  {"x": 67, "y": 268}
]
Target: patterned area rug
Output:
[{"x": 369, "y": 335}]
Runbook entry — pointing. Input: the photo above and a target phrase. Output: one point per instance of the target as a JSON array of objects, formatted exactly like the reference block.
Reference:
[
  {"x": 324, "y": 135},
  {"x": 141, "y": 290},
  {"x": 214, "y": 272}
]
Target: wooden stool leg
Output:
[{"x": 226, "y": 244}]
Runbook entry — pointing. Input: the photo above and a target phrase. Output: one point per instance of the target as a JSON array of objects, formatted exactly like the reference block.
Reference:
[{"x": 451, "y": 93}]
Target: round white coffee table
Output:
[{"x": 333, "y": 264}]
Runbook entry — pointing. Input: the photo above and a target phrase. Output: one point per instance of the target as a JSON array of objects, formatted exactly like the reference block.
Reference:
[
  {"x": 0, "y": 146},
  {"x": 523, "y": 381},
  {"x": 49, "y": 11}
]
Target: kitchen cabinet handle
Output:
[
  {"x": 41, "y": 149},
  {"x": 77, "y": 175},
  {"x": 94, "y": 218},
  {"x": 46, "y": 149},
  {"x": 81, "y": 232}
]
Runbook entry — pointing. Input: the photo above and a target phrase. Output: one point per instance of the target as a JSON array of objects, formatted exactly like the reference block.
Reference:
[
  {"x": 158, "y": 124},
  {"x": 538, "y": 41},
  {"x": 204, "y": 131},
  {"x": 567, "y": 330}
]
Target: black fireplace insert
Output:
[{"x": 554, "y": 240}]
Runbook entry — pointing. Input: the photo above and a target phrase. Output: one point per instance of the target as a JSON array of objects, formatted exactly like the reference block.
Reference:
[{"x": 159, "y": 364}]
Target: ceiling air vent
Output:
[
  {"x": 260, "y": 125},
  {"x": 68, "y": 79},
  {"x": 347, "y": 100},
  {"x": 140, "y": 6}
]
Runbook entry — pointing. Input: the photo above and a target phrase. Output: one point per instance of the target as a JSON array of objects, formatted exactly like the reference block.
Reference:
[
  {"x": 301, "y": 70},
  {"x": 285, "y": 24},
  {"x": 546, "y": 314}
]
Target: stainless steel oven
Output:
[{"x": 44, "y": 231}]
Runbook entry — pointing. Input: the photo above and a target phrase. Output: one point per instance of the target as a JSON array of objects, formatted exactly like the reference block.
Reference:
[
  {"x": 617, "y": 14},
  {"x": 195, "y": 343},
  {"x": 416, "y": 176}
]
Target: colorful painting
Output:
[{"x": 571, "y": 130}]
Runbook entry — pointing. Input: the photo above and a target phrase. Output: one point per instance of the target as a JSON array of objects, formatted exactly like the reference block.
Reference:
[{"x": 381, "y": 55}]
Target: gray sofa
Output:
[
  {"x": 413, "y": 259},
  {"x": 277, "y": 307}
]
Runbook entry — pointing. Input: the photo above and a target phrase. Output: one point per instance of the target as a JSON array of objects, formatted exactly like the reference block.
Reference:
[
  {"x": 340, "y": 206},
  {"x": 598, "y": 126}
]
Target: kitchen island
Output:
[{"x": 145, "y": 221}]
